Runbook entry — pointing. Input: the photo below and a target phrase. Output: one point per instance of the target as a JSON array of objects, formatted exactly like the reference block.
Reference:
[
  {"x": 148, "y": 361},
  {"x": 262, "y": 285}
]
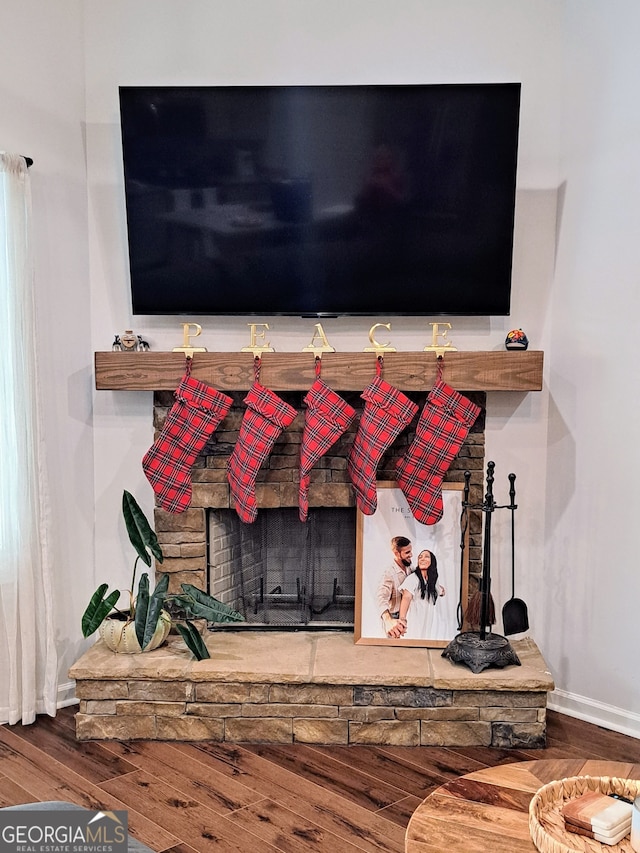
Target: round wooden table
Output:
[{"x": 488, "y": 811}]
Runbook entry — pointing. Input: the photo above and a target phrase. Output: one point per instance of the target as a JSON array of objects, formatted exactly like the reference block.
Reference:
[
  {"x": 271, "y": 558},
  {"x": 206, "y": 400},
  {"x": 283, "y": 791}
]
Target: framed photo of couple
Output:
[{"x": 434, "y": 562}]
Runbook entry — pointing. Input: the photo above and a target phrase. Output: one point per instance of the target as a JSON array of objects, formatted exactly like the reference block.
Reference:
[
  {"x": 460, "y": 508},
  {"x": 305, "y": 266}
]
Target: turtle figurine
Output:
[{"x": 516, "y": 339}]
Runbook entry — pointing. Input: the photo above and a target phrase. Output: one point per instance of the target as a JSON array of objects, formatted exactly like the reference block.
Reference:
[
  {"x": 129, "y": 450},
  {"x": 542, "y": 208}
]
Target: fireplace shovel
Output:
[{"x": 515, "y": 618}]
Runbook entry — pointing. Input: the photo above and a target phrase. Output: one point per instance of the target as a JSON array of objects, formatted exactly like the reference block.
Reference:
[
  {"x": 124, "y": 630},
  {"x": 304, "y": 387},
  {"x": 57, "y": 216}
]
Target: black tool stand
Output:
[
  {"x": 478, "y": 653},
  {"x": 481, "y": 649}
]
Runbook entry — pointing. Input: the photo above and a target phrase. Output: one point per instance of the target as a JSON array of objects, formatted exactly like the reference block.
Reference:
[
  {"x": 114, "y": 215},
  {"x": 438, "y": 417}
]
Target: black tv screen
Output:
[{"x": 321, "y": 200}]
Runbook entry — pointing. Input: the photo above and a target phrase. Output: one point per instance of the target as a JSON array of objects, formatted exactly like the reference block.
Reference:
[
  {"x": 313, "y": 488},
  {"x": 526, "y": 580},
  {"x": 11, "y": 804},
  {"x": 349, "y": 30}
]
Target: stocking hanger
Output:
[
  {"x": 317, "y": 364},
  {"x": 439, "y": 367},
  {"x": 258, "y": 350},
  {"x": 435, "y": 346},
  {"x": 187, "y": 347},
  {"x": 379, "y": 348},
  {"x": 318, "y": 350}
]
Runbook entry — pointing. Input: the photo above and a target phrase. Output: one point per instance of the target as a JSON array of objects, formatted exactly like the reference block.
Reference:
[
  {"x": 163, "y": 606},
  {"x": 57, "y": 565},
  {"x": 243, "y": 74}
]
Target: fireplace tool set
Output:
[{"x": 481, "y": 649}]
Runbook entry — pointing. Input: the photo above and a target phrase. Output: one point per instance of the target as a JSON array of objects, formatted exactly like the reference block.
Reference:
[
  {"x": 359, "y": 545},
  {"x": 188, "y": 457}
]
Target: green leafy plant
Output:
[{"x": 145, "y": 607}]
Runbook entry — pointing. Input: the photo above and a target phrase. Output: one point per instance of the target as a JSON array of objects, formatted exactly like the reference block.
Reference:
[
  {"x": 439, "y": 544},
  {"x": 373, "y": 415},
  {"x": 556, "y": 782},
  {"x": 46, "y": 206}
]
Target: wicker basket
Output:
[{"x": 546, "y": 823}]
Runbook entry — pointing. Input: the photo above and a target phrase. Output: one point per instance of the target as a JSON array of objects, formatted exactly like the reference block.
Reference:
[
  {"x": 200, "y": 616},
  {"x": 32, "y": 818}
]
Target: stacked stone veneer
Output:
[
  {"x": 183, "y": 536},
  {"x": 258, "y": 687}
]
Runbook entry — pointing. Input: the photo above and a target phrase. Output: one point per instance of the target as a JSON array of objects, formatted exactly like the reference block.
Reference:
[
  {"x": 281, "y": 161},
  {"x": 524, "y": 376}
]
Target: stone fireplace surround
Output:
[{"x": 304, "y": 686}]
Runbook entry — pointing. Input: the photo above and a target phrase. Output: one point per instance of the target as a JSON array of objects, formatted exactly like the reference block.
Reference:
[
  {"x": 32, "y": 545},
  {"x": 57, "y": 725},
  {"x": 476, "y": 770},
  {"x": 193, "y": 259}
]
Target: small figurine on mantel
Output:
[
  {"x": 516, "y": 339},
  {"x": 129, "y": 342}
]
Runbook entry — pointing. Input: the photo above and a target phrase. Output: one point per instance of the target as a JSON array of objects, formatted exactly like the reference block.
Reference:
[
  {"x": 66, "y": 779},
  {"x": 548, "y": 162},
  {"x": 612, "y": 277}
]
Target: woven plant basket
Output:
[
  {"x": 546, "y": 823},
  {"x": 121, "y": 637}
]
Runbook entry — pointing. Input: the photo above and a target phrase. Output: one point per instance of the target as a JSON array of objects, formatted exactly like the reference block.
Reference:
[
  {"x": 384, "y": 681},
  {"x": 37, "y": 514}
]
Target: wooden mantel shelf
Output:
[{"x": 494, "y": 370}]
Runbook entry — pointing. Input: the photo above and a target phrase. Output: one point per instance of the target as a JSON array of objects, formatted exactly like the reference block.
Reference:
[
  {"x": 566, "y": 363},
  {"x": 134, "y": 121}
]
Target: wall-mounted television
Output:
[{"x": 320, "y": 200}]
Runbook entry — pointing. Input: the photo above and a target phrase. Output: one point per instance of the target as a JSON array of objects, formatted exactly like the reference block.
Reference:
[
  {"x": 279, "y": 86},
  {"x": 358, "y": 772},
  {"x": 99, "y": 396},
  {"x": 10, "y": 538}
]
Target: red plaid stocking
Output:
[
  {"x": 196, "y": 413},
  {"x": 264, "y": 419},
  {"x": 444, "y": 424},
  {"x": 326, "y": 418},
  {"x": 387, "y": 412}
]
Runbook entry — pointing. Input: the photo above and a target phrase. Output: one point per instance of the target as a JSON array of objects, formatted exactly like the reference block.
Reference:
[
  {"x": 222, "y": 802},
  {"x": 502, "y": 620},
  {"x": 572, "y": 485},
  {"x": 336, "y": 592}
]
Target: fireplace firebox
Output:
[{"x": 282, "y": 573}]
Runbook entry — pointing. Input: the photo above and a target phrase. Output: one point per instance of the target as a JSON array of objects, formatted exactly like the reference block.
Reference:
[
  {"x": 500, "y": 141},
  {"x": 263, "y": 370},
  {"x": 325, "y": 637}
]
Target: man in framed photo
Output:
[{"x": 388, "y": 595}]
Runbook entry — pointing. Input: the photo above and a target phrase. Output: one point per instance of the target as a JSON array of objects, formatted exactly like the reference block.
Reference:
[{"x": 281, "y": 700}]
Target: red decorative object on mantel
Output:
[{"x": 516, "y": 339}]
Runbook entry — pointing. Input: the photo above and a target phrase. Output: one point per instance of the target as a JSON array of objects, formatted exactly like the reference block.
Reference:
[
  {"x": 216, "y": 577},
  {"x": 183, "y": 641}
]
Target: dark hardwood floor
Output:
[{"x": 185, "y": 797}]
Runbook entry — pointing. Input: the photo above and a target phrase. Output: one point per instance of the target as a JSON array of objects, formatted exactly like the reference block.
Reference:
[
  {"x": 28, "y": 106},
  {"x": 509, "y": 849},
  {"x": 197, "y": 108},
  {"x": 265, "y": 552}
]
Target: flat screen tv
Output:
[{"x": 320, "y": 200}]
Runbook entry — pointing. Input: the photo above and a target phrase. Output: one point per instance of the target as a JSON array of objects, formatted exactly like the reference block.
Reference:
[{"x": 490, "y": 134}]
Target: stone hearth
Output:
[{"x": 310, "y": 687}]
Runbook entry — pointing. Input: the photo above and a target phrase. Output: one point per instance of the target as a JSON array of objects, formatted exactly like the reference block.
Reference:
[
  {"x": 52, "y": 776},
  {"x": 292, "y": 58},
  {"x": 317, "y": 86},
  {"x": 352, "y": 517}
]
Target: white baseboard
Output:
[
  {"x": 67, "y": 695},
  {"x": 599, "y": 713}
]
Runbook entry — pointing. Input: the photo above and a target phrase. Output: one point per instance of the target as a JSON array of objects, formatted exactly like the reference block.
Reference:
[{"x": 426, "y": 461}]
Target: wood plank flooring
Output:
[{"x": 205, "y": 796}]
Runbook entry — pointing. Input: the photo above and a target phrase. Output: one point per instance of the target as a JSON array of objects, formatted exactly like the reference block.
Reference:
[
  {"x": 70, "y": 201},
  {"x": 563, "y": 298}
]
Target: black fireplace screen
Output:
[{"x": 284, "y": 573}]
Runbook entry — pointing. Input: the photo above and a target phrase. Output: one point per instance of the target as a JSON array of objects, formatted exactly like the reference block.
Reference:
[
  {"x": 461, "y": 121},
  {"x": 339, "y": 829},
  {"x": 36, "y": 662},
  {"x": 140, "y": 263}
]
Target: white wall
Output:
[
  {"x": 591, "y": 583},
  {"x": 288, "y": 41}
]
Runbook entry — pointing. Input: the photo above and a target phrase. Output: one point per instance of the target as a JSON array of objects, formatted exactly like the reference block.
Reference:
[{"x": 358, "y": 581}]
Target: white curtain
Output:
[{"x": 28, "y": 663}]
